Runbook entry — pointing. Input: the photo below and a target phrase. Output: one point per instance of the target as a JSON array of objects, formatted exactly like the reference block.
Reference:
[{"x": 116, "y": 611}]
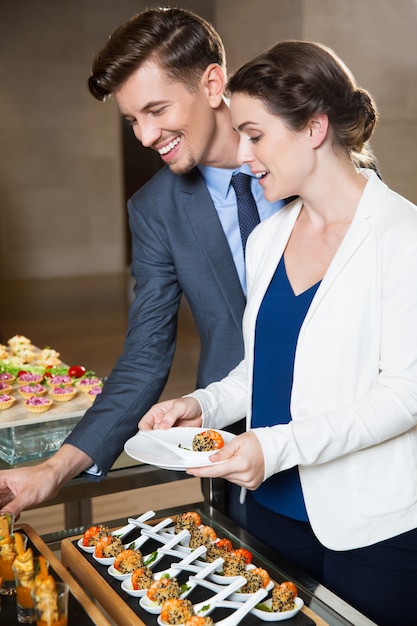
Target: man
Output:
[{"x": 166, "y": 70}]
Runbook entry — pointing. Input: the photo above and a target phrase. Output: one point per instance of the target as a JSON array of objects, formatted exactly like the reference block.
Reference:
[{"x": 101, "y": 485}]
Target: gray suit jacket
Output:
[{"x": 178, "y": 247}]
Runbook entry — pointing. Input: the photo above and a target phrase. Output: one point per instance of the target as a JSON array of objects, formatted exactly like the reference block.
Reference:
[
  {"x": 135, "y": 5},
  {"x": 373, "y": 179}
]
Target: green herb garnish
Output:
[
  {"x": 151, "y": 558},
  {"x": 264, "y": 607}
]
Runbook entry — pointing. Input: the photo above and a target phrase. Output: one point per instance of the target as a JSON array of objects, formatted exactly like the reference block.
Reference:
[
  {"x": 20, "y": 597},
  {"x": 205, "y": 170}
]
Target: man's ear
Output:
[
  {"x": 214, "y": 82},
  {"x": 318, "y": 127}
]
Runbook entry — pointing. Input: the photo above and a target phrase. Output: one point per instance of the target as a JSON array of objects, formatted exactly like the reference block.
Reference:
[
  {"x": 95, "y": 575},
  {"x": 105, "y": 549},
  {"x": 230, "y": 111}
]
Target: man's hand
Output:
[
  {"x": 179, "y": 412},
  {"x": 24, "y": 487}
]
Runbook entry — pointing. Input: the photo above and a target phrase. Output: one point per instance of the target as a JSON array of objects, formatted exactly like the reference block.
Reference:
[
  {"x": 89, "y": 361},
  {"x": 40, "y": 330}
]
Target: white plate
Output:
[
  {"x": 277, "y": 616},
  {"x": 164, "y": 449}
]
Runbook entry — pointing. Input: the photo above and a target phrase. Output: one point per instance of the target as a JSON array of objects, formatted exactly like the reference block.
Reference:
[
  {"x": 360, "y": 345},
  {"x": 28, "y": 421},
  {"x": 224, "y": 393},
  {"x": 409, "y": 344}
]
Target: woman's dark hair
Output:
[
  {"x": 180, "y": 42},
  {"x": 297, "y": 79}
]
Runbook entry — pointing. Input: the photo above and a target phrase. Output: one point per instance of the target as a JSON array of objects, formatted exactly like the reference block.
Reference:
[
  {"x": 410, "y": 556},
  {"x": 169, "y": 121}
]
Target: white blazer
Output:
[{"x": 354, "y": 399}]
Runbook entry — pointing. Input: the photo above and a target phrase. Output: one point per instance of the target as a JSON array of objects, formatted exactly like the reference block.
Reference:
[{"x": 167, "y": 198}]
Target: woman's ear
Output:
[
  {"x": 318, "y": 127},
  {"x": 214, "y": 82}
]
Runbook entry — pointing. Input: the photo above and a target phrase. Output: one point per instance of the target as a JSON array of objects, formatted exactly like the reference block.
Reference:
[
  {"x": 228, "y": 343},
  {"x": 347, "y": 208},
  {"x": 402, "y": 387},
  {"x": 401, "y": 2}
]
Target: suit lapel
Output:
[{"x": 202, "y": 215}]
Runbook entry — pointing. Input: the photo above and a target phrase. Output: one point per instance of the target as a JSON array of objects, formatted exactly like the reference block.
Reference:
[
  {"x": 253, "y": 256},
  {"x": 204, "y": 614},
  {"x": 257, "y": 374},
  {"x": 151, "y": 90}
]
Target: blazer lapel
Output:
[
  {"x": 202, "y": 215},
  {"x": 360, "y": 228}
]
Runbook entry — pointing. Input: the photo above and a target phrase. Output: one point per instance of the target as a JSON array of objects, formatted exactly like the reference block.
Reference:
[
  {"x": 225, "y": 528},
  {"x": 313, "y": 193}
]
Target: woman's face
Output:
[{"x": 280, "y": 157}]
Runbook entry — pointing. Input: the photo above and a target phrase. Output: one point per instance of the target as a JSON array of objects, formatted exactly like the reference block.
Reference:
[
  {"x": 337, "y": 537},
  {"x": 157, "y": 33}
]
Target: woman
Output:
[{"x": 329, "y": 379}]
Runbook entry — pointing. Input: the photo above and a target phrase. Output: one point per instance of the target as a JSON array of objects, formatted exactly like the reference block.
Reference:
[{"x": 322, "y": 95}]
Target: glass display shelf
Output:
[{"x": 26, "y": 436}]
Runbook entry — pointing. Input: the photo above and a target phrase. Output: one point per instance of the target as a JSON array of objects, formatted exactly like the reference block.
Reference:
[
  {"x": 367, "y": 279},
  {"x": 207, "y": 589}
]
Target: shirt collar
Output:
[{"x": 219, "y": 178}]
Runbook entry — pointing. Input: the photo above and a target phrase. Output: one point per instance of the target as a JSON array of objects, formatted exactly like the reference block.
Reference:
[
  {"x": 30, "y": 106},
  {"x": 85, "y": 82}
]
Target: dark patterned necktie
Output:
[{"x": 247, "y": 210}]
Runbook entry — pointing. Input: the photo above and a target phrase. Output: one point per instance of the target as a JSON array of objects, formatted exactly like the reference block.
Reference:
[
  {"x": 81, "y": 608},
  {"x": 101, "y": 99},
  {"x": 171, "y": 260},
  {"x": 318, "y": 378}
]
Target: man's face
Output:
[{"x": 166, "y": 116}]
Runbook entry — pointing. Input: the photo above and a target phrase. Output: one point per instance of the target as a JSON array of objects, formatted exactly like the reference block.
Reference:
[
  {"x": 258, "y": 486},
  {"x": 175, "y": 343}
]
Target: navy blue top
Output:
[{"x": 278, "y": 324}]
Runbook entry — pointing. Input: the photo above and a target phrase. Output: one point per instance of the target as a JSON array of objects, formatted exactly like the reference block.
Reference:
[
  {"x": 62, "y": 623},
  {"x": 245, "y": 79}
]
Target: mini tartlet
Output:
[
  {"x": 94, "y": 392},
  {"x": 5, "y": 387},
  {"x": 5, "y": 377},
  {"x": 62, "y": 393},
  {"x": 85, "y": 384},
  {"x": 6, "y": 401},
  {"x": 60, "y": 379},
  {"x": 27, "y": 378},
  {"x": 27, "y": 391},
  {"x": 38, "y": 404}
]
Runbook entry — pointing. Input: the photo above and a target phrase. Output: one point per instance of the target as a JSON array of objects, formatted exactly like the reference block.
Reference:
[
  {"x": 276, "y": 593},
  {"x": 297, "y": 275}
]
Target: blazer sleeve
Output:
[{"x": 141, "y": 372}]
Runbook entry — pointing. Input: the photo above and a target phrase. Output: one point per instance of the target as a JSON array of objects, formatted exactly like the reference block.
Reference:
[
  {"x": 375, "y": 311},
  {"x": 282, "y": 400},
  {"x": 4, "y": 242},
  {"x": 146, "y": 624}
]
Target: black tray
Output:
[{"x": 198, "y": 594}]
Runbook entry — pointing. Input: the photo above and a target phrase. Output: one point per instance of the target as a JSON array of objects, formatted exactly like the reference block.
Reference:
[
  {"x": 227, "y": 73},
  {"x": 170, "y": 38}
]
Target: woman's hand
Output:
[
  {"x": 177, "y": 412},
  {"x": 243, "y": 462}
]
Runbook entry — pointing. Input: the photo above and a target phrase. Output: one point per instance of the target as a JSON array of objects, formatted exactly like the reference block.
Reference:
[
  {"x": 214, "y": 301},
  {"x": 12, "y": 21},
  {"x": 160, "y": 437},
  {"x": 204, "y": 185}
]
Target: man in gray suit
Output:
[{"x": 166, "y": 70}]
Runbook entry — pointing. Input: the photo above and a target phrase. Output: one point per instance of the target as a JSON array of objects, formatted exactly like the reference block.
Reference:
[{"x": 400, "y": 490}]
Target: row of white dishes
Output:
[{"x": 226, "y": 589}]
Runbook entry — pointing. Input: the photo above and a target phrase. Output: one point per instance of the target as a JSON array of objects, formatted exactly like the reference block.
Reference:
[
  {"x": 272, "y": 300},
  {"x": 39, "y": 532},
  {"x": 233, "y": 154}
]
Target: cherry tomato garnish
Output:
[{"x": 76, "y": 371}]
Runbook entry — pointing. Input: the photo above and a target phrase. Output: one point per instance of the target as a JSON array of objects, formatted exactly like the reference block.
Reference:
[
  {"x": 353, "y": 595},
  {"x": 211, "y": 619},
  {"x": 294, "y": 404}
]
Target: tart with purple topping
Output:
[
  {"x": 6, "y": 401},
  {"x": 60, "y": 379},
  {"x": 62, "y": 393},
  {"x": 5, "y": 387},
  {"x": 38, "y": 404},
  {"x": 94, "y": 392},
  {"x": 28, "y": 378},
  {"x": 5, "y": 377},
  {"x": 85, "y": 384},
  {"x": 27, "y": 391}
]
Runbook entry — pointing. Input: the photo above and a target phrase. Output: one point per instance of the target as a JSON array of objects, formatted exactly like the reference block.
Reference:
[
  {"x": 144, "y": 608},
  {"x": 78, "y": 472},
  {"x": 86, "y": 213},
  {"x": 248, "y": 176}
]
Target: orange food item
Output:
[
  {"x": 62, "y": 621},
  {"x": 247, "y": 556},
  {"x": 263, "y": 574},
  {"x": 24, "y": 598},
  {"x": 6, "y": 572},
  {"x": 100, "y": 545},
  {"x": 216, "y": 438},
  {"x": 290, "y": 586},
  {"x": 225, "y": 544}
]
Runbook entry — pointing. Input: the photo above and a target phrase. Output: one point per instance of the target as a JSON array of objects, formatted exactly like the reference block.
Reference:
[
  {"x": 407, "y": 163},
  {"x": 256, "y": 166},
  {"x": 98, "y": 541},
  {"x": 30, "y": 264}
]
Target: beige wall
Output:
[
  {"x": 62, "y": 209},
  {"x": 376, "y": 39}
]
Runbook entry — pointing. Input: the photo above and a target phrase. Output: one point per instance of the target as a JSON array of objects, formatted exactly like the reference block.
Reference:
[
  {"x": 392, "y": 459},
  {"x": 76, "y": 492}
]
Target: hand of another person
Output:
[
  {"x": 243, "y": 462},
  {"x": 23, "y": 487},
  {"x": 177, "y": 412}
]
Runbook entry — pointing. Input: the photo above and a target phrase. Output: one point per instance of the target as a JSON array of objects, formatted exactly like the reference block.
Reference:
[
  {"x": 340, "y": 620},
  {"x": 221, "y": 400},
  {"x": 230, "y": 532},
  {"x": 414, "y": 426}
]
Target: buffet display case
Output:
[
  {"x": 26, "y": 436},
  {"x": 320, "y": 606}
]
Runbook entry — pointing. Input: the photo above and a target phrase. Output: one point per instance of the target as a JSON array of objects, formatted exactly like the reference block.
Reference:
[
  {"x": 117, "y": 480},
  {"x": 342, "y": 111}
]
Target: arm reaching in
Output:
[
  {"x": 23, "y": 487},
  {"x": 178, "y": 412}
]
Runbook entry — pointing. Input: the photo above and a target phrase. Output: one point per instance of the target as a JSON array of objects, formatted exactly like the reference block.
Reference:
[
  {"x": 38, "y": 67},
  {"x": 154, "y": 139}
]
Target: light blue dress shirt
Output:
[{"x": 224, "y": 198}]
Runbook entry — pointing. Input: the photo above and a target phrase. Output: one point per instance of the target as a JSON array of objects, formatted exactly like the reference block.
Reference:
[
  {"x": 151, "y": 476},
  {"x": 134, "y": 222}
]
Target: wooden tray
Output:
[
  {"x": 125, "y": 609},
  {"x": 81, "y": 609}
]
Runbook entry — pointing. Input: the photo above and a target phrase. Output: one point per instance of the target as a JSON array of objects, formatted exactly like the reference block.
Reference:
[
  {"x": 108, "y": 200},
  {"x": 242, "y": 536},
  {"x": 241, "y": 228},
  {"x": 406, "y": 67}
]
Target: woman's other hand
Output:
[{"x": 243, "y": 462}]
